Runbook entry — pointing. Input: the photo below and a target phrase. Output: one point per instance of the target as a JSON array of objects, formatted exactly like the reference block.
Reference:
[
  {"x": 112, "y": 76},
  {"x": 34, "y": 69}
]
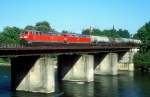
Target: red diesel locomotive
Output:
[{"x": 41, "y": 37}]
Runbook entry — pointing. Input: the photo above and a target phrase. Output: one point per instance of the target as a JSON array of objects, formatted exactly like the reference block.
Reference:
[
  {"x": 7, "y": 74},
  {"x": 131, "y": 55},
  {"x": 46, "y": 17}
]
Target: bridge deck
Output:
[{"x": 63, "y": 48}]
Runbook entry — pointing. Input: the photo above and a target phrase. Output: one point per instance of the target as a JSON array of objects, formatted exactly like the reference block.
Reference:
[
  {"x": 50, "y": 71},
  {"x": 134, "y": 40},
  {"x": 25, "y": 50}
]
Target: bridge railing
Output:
[
  {"x": 3, "y": 45},
  {"x": 11, "y": 46}
]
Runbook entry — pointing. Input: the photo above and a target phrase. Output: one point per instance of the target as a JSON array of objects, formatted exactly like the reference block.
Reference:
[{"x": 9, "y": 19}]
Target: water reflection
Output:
[
  {"x": 27, "y": 94},
  {"x": 78, "y": 89},
  {"x": 126, "y": 84},
  {"x": 106, "y": 86}
]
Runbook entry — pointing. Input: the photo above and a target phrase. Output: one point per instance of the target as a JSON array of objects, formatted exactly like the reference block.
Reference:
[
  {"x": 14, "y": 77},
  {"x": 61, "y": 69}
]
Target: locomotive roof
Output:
[{"x": 57, "y": 33}]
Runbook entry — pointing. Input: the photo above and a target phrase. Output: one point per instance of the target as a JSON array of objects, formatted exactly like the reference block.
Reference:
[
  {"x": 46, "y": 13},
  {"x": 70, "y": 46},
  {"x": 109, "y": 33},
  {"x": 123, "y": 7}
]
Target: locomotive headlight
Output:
[{"x": 25, "y": 36}]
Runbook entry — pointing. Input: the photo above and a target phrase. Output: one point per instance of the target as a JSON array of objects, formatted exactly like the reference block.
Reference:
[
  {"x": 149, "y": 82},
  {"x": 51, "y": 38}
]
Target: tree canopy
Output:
[
  {"x": 110, "y": 33},
  {"x": 43, "y": 26},
  {"x": 65, "y": 32},
  {"x": 142, "y": 58},
  {"x": 10, "y": 35},
  {"x": 29, "y": 27}
]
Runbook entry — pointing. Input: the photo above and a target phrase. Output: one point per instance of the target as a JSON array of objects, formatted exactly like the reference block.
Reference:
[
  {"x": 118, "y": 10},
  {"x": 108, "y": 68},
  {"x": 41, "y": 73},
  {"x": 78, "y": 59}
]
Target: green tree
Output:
[
  {"x": 123, "y": 33},
  {"x": 111, "y": 33},
  {"x": 97, "y": 32},
  {"x": 142, "y": 58},
  {"x": 65, "y": 32},
  {"x": 43, "y": 26},
  {"x": 87, "y": 31},
  {"x": 136, "y": 36},
  {"x": 29, "y": 27},
  {"x": 10, "y": 35},
  {"x": 107, "y": 32},
  {"x": 144, "y": 36}
]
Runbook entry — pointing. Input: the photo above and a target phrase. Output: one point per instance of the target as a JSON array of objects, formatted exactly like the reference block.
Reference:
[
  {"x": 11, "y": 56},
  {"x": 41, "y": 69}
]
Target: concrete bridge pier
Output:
[
  {"x": 33, "y": 74},
  {"x": 125, "y": 61},
  {"x": 76, "y": 67},
  {"x": 106, "y": 63}
]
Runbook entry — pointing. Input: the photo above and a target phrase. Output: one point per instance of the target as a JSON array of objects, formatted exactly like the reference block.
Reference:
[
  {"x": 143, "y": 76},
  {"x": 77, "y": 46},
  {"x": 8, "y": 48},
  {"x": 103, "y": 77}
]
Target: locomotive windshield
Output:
[{"x": 25, "y": 32}]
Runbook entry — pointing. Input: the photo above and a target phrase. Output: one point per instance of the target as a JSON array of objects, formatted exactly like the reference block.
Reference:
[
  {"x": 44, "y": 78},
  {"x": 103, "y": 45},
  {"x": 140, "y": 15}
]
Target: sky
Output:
[{"x": 76, "y": 15}]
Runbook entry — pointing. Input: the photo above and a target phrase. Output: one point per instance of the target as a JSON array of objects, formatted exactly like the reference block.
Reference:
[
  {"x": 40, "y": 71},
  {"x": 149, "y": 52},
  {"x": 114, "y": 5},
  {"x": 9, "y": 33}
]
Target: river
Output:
[{"x": 126, "y": 84}]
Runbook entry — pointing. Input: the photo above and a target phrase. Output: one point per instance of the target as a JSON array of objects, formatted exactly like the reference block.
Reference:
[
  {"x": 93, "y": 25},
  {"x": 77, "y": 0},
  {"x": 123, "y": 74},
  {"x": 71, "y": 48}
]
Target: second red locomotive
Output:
[{"x": 41, "y": 37}]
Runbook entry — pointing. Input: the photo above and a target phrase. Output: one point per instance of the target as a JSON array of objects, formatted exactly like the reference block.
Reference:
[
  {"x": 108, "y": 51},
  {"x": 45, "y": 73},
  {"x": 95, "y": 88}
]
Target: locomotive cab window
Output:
[
  {"x": 36, "y": 33},
  {"x": 40, "y": 33},
  {"x": 25, "y": 32},
  {"x": 33, "y": 33}
]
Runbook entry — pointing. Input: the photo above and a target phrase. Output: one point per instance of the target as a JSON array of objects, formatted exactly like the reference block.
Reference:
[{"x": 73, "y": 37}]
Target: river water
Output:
[{"x": 126, "y": 84}]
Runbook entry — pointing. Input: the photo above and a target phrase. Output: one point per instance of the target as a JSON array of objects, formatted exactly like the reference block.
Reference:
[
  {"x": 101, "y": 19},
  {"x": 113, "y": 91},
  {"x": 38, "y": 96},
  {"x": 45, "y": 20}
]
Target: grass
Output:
[{"x": 4, "y": 62}]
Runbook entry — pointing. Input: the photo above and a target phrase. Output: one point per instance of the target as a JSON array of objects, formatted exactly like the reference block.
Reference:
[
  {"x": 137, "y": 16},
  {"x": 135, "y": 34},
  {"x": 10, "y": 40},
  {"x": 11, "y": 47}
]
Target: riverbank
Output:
[{"x": 4, "y": 62}]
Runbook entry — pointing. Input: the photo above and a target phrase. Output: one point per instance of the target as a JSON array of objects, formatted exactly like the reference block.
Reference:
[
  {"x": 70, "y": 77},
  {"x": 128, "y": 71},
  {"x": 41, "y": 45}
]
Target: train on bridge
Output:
[{"x": 38, "y": 37}]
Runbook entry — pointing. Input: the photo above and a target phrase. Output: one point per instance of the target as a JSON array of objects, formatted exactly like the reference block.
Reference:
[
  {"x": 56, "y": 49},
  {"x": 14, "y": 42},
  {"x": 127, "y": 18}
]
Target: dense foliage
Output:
[
  {"x": 142, "y": 58},
  {"x": 40, "y": 26},
  {"x": 67, "y": 32},
  {"x": 110, "y": 33},
  {"x": 10, "y": 35}
]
